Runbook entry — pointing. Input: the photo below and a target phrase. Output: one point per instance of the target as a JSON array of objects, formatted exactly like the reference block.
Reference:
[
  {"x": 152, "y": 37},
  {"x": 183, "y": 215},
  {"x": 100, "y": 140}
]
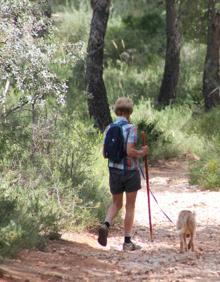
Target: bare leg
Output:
[
  {"x": 115, "y": 206},
  {"x": 129, "y": 213}
]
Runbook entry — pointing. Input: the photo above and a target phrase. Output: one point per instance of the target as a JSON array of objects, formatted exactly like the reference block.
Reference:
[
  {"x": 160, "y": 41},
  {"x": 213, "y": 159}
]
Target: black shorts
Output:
[{"x": 124, "y": 181}]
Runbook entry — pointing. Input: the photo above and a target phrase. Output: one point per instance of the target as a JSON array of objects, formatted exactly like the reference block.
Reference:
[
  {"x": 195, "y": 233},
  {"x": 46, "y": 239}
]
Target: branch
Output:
[
  {"x": 21, "y": 105},
  {"x": 5, "y": 91},
  {"x": 14, "y": 109}
]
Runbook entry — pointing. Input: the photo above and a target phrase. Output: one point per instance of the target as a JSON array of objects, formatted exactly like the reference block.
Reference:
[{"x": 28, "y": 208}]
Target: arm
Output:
[
  {"x": 134, "y": 153},
  {"x": 131, "y": 145}
]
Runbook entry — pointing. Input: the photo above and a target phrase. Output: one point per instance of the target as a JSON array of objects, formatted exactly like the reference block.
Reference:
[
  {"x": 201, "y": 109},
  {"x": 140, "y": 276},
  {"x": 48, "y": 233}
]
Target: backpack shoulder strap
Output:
[
  {"x": 125, "y": 148},
  {"x": 122, "y": 123}
]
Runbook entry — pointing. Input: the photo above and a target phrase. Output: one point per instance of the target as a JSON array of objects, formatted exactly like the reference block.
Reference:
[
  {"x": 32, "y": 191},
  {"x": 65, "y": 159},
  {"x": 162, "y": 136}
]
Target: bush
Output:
[
  {"x": 122, "y": 41},
  {"x": 73, "y": 25},
  {"x": 61, "y": 5},
  {"x": 52, "y": 180},
  {"x": 130, "y": 81},
  {"x": 48, "y": 153},
  {"x": 191, "y": 73},
  {"x": 152, "y": 22},
  {"x": 167, "y": 130},
  {"x": 207, "y": 123},
  {"x": 206, "y": 171},
  {"x": 26, "y": 219}
]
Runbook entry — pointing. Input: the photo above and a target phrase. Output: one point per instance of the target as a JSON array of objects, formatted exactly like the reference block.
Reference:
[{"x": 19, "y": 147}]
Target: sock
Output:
[
  {"x": 107, "y": 224},
  {"x": 127, "y": 239}
]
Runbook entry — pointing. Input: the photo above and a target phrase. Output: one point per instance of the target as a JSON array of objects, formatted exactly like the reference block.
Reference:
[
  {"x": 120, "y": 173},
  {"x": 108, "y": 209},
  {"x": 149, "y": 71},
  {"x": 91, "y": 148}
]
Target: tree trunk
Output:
[
  {"x": 211, "y": 78},
  {"x": 172, "y": 62},
  {"x": 95, "y": 87}
]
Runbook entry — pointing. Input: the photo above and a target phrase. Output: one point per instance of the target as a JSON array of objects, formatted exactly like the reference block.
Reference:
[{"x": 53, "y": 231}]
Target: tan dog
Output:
[{"x": 186, "y": 227}]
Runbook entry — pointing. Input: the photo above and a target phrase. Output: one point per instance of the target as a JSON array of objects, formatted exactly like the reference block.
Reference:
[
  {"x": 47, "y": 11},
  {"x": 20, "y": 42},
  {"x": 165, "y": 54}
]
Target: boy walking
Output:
[{"x": 124, "y": 176}]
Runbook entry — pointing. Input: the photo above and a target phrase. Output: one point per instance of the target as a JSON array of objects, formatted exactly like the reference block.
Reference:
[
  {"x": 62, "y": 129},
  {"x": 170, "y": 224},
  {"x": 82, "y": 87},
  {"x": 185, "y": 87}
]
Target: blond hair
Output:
[{"x": 123, "y": 105}]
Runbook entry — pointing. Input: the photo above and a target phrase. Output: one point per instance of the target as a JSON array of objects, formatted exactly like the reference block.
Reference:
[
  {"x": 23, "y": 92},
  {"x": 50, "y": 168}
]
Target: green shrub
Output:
[
  {"x": 122, "y": 41},
  {"x": 61, "y": 5},
  {"x": 167, "y": 130},
  {"x": 25, "y": 219},
  {"x": 206, "y": 171},
  {"x": 52, "y": 179},
  {"x": 191, "y": 73},
  {"x": 207, "y": 123},
  {"x": 130, "y": 81},
  {"x": 136, "y": 36},
  {"x": 76, "y": 96},
  {"x": 152, "y": 22},
  {"x": 73, "y": 25}
]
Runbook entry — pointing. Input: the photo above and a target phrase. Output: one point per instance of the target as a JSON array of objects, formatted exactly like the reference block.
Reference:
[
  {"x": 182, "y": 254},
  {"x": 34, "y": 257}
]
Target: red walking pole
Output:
[{"x": 148, "y": 185}]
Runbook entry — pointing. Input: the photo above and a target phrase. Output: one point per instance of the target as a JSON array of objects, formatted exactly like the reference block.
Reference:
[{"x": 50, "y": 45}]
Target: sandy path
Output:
[{"x": 78, "y": 257}]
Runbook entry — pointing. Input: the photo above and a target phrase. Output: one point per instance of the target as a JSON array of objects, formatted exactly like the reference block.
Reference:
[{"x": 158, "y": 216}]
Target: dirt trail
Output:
[{"x": 78, "y": 257}]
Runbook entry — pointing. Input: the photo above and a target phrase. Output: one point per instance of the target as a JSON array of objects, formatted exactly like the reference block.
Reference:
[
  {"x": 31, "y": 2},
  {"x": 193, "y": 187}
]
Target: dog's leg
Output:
[
  {"x": 185, "y": 244},
  {"x": 191, "y": 243},
  {"x": 181, "y": 243}
]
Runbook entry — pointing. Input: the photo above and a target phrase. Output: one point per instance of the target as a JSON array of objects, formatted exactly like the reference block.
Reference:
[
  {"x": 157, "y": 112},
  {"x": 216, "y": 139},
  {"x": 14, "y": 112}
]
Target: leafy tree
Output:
[
  {"x": 211, "y": 78},
  {"x": 96, "y": 91},
  {"x": 25, "y": 58}
]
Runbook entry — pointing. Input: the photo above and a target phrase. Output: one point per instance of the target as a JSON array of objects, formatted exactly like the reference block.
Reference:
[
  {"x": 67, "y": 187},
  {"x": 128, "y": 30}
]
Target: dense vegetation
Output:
[{"x": 52, "y": 172}]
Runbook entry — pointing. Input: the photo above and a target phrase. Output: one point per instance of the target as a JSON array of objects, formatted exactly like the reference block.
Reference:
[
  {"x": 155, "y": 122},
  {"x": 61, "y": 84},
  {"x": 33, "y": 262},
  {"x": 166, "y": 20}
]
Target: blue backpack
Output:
[{"x": 114, "y": 144}]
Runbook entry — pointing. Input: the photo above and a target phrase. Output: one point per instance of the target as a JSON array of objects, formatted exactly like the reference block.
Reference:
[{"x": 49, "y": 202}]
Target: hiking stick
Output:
[{"x": 147, "y": 185}]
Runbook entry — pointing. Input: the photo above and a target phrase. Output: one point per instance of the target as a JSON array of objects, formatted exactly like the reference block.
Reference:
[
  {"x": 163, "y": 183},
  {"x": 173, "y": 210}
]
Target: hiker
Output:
[{"x": 124, "y": 175}]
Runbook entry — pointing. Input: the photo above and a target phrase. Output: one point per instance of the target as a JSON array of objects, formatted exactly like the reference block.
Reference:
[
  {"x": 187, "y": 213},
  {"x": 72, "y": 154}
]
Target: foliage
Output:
[
  {"x": 47, "y": 153},
  {"x": 153, "y": 22},
  {"x": 194, "y": 20},
  {"x": 124, "y": 33},
  {"x": 167, "y": 130},
  {"x": 206, "y": 171},
  {"x": 73, "y": 25},
  {"x": 132, "y": 82},
  {"x": 76, "y": 4},
  {"x": 191, "y": 74},
  {"x": 26, "y": 57},
  {"x": 60, "y": 185},
  {"x": 24, "y": 218},
  {"x": 203, "y": 121},
  {"x": 137, "y": 8}
]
